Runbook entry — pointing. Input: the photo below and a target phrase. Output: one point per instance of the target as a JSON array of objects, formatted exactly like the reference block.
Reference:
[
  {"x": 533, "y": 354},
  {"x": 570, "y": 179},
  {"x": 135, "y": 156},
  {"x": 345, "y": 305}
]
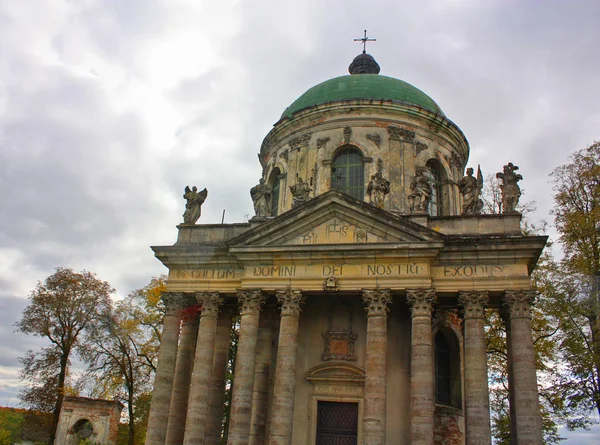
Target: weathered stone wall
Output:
[
  {"x": 401, "y": 137},
  {"x": 315, "y": 321},
  {"x": 104, "y": 415},
  {"x": 449, "y": 426}
]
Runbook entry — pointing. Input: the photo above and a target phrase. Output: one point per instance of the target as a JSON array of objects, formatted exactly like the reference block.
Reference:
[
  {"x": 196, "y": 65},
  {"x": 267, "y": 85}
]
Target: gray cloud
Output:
[{"x": 107, "y": 110}]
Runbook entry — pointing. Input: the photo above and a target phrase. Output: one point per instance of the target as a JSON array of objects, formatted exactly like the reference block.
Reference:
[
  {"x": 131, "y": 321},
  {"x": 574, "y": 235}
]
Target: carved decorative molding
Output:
[
  {"x": 174, "y": 302},
  {"x": 347, "y": 134},
  {"x": 285, "y": 154},
  {"x": 400, "y": 134},
  {"x": 377, "y": 301},
  {"x": 421, "y": 301},
  {"x": 339, "y": 345},
  {"x": 473, "y": 302},
  {"x": 519, "y": 302},
  {"x": 209, "y": 301},
  {"x": 337, "y": 377},
  {"x": 375, "y": 138},
  {"x": 250, "y": 301},
  {"x": 322, "y": 142},
  {"x": 296, "y": 143},
  {"x": 420, "y": 146},
  {"x": 331, "y": 284},
  {"x": 290, "y": 301},
  {"x": 457, "y": 161}
]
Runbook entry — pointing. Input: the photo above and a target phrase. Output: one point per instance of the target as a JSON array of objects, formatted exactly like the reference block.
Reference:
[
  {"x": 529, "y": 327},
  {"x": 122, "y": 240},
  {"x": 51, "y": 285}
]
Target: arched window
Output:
[
  {"x": 84, "y": 429},
  {"x": 447, "y": 370},
  {"x": 348, "y": 173},
  {"x": 437, "y": 175},
  {"x": 275, "y": 183}
]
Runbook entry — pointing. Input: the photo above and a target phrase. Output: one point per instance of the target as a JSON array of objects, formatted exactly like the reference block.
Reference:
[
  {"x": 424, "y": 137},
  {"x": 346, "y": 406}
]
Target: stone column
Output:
[
  {"x": 198, "y": 404},
  {"x": 260, "y": 397},
  {"x": 183, "y": 374},
  {"x": 163, "y": 382},
  {"x": 527, "y": 422},
  {"x": 219, "y": 372},
  {"x": 243, "y": 378},
  {"x": 422, "y": 380},
  {"x": 477, "y": 396},
  {"x": 284, "y": 387},
  {"x": 375, "y": 366}
]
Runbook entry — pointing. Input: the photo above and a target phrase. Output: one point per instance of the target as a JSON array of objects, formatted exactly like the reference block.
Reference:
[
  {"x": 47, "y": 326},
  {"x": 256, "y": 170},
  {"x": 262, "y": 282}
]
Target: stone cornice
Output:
[{"x": 381, "y": 110}]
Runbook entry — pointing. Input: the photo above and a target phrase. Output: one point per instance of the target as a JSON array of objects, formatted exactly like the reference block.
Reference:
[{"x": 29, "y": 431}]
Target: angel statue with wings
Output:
[
  {"x": 470, "y": 189},
  {"x": 194, "y": 201}
]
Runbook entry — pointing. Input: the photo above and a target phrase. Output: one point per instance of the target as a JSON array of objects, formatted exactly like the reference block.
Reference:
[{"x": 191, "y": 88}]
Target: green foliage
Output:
[
  {"x": 574, "y": 285},
  {"x": 10, "y": 426},
  {"x": 577, "y": 210}
]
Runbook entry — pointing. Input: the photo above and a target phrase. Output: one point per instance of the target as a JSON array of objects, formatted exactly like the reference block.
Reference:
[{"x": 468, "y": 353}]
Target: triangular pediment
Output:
[{"x": 335, "y": 218}]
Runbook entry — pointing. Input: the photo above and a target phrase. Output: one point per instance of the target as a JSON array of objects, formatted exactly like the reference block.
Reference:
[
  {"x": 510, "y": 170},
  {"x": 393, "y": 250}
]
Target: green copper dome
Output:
[{"x": 363, "y": 86}]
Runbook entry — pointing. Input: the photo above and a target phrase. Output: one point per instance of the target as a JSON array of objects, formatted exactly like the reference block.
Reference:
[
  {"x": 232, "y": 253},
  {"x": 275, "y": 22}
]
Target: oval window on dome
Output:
[{"x": 348, "y": 173}]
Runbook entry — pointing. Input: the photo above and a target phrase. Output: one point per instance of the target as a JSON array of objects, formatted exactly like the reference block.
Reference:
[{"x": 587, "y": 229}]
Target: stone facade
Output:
[
  {"x": 357, "y": 322},
  {"x": 93, "y": 419}
]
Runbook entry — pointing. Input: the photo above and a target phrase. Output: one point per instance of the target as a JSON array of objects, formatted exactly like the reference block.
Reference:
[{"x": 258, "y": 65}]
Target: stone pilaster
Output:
[
  {"x": 243, "y": 379},
  {"x": 422, "y": 380},
  {"x": 198, "y": 405},
  {"x": 477, "y": 397},
  {"x": 284, "y": 387},
  {"x": 376, "y": 302},
  {"x": 527, "y": 422},
  {"x": 163, "y": 382},
  {"x": 219, "y": 372},
  {"x": 183, "y": 374},
  {"x": 260, "y": 397}
]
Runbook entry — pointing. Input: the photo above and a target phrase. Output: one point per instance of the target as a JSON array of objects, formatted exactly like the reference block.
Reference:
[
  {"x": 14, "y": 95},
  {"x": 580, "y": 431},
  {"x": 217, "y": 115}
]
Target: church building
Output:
[{"x": 360, "y": 286}]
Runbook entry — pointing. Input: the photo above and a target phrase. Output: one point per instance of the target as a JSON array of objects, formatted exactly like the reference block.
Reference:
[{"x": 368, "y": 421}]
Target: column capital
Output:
[
  {"x": 250, "y": 301},
  {"x": 421, "y": 301},
  {"x": 518, "y": 302},
  {"x": 174, "y": 302},
  {"x": 209, "y": 302},
  {"x": 377, "y": 301},
  {"x": 290, "y": 300},
  {"x": 473, "y": 301}
]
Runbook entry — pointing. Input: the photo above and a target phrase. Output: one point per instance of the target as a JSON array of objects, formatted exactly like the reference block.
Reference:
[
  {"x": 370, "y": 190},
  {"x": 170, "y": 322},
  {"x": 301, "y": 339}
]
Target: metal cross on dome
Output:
[{"x": 364, "y": 41}]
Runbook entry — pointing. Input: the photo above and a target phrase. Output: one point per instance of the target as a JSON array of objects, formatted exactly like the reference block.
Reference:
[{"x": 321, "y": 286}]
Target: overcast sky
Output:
[{"x": 109, "y": 108}]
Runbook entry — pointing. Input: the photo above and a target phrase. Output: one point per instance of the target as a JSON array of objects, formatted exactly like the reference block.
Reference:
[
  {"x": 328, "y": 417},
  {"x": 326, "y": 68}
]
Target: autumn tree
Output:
[
  {"x": 123, "y": 351},
  {"x": 60, "y": 309},
  {"x": 114, "y": 357},
  {"x": 574, "y": 284}
]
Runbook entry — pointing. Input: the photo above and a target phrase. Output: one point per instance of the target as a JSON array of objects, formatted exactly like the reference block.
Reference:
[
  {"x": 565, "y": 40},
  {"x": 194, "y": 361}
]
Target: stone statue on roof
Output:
[
  {"x": 378, "y": 187},
  {"x": 420, "y": 191},
  {"x": 511, "y": 192},
  {"x": 300, "y": 192},
  {"x": 261, "y": 197},
  {"x": 470, "y": 189},
  {"x": 194, "y": 201}
]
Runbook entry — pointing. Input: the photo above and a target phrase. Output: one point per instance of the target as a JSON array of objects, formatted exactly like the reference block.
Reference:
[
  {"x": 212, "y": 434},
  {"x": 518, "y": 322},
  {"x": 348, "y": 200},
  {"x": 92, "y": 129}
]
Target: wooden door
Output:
[{"x": 337, "y": 423}]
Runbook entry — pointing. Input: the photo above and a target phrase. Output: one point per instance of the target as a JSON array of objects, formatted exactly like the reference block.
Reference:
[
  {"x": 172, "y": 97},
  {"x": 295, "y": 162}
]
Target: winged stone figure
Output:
[{"x": 193, "y": 205}]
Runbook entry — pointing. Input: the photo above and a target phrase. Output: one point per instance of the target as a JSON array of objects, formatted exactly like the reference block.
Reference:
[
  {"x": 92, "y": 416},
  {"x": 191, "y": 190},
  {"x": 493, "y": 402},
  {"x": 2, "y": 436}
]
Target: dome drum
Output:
[{"x": 399, "y": 137}]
